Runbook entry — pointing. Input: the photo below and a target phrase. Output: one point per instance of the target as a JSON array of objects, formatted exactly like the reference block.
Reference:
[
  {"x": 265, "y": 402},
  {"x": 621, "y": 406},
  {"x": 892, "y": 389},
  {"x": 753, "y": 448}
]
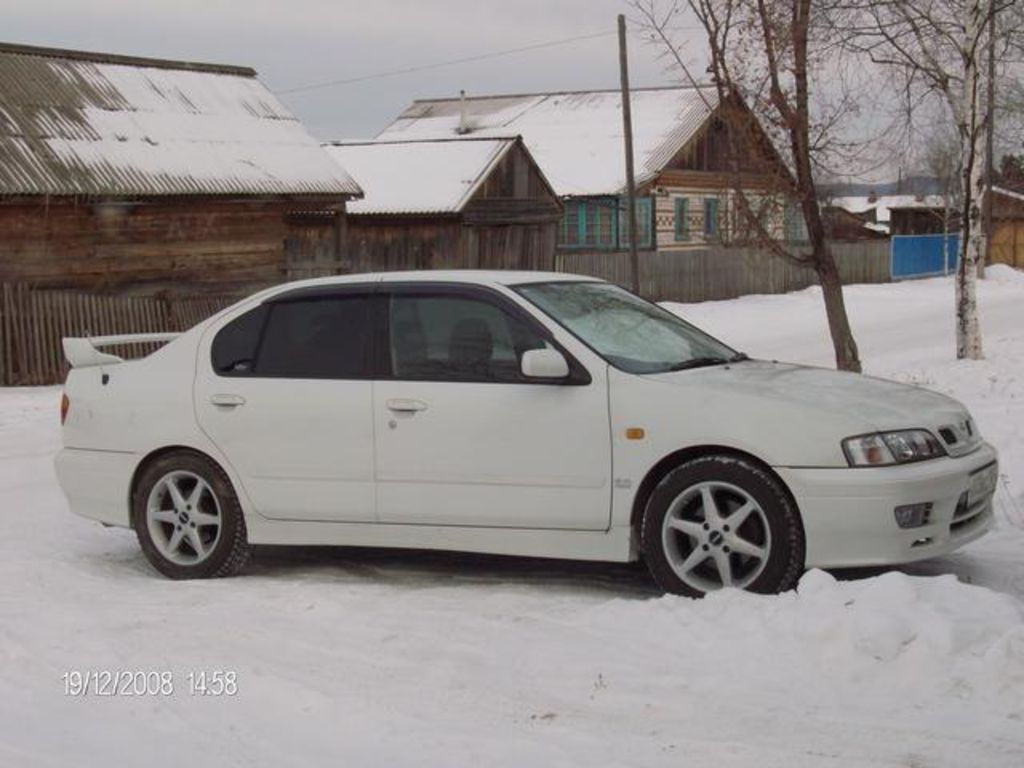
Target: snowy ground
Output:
[{"x": 388, "y": 658}]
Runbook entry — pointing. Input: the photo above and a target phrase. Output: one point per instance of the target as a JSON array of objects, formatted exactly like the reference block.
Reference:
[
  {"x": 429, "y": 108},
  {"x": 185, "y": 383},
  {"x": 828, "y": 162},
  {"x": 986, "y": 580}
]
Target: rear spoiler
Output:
[{"x": 85, "y": 353}]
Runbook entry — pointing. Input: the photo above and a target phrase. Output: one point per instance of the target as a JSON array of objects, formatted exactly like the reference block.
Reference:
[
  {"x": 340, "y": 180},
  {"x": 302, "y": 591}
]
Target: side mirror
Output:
[{"x": 544, "y": 364}]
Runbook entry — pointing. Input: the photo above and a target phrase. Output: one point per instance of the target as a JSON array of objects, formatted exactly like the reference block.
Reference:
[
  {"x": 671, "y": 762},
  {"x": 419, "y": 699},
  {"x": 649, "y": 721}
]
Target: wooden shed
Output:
[
  {"x": 449, "y": 203},
  {"x": 131, "y": 175},
  {"x": 1008, "y": 227},
  {"x": 685, "y": 184}
]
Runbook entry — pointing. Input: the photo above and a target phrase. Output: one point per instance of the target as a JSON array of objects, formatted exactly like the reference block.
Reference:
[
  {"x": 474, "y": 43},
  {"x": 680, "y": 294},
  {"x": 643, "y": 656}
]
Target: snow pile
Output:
[
  {"x": 1004, "y": 273},
  {"x": 895, "y": 644}
]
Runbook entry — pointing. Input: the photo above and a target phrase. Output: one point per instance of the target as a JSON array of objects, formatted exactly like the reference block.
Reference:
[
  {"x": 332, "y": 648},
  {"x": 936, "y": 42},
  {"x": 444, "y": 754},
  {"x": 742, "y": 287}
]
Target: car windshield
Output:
[{"x": 630, "y": 333}]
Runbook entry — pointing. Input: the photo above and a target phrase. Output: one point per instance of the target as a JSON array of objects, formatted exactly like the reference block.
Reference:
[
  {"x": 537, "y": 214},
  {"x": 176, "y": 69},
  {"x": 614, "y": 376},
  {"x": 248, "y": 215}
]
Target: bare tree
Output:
[
  {"x": 939, "y": 158},
  {"x": 1011, "y": 172},
  {"x": 765, "y": 58},
  {"x": 938, "y": 50}
]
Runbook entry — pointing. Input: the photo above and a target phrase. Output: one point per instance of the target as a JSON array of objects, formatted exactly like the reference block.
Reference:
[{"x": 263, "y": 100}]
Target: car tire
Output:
[
  {"x": 722, "y": 514},
  {"x": 188, "y": 519}
]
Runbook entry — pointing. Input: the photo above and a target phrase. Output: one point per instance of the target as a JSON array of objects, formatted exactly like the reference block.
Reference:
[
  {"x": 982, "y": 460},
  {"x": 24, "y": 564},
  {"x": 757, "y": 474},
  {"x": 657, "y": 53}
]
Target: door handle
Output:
[
  {"x": 403, "y": 405},
  {"x": 228, "y": 401}
]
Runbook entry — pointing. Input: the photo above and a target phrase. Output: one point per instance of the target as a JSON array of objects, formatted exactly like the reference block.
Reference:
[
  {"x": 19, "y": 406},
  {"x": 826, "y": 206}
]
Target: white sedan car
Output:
[{"x": 519, "y": 413}]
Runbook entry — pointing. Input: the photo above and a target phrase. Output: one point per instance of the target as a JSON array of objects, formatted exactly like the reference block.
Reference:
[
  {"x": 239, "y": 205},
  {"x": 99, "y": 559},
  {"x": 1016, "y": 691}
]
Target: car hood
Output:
[{"x": 828, "y": 404}]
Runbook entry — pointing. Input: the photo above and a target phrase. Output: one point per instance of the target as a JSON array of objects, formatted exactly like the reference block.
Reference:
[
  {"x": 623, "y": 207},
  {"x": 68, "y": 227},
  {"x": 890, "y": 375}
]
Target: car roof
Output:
[{"x": 463, "y": 276}]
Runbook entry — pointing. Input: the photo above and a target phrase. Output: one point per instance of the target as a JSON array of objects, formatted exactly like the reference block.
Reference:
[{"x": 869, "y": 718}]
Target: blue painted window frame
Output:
[
  {"x": 681, "y": 209},
  {"x": 644, "y": 218},
  {"x": 585, "y": 218},
  {"x": 711, "y": 213}
]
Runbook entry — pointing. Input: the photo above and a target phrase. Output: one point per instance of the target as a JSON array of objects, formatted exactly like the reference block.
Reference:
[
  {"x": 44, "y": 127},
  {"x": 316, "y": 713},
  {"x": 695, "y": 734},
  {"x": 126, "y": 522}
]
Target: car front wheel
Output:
[
  {"x": 188, "y": 519},
  {"x": 722, "y": 521}
]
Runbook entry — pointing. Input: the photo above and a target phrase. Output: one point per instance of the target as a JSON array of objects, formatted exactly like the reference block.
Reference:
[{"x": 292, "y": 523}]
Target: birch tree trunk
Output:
[{"x": 972, "y": 181}]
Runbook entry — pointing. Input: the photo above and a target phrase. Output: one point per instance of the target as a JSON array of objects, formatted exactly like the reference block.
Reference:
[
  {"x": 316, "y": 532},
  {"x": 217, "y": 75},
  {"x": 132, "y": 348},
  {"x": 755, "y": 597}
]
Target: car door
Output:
[
  {"x": 463, "y": 438},
  {"x": 284, "y": 390}
]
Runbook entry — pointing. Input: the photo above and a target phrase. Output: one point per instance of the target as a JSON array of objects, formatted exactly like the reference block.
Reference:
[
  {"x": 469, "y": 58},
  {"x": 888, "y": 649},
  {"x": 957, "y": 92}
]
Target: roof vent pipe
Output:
[{"x": 464, "y": 127}]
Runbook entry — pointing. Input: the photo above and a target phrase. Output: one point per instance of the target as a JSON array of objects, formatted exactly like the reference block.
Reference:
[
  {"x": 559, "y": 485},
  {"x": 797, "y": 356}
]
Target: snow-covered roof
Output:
[
  {"x": 882, "y": 204},
  {"x": 418, "y": 176},
  {"x": 575, "y": 137},
  {"x": 1008, "y": 193},
  {"x": 76, "y": 123}
]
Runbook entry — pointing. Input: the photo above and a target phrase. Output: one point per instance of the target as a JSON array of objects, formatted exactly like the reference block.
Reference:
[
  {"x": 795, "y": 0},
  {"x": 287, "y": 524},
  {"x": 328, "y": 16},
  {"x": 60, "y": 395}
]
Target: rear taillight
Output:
[{"x": 65, "y": 405}]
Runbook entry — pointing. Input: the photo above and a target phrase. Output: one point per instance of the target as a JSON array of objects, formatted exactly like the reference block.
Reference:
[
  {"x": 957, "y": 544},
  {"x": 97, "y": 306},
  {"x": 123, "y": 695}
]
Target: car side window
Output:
[
  {"x": 323, "y": 337},
  {"x": 317, "y": 338},
  {"x": 457, "y": 338},
  {"x": 233, "y": 352}
]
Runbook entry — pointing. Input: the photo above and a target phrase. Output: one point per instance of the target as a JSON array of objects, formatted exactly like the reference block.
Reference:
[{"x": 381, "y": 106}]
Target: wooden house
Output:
[
  {"x": 845, "y": 226},
  {"x": 685, "y": 178},
  {"x": 123, "y": 174},
  {"x": 448, "y": 203},
  {"x": 901, "y": 214}
]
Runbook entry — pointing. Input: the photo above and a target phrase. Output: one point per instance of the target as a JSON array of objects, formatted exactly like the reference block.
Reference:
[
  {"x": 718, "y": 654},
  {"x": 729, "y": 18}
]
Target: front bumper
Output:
[{"x": 848, "y": 513}]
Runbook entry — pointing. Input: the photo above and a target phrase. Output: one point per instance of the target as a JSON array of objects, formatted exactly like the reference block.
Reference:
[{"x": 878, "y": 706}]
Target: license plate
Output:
[{"x": 983, "y": 484}]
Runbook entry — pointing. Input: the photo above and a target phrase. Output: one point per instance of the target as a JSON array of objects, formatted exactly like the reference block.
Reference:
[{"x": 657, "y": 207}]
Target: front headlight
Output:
[{"x": 885, "y": 448}]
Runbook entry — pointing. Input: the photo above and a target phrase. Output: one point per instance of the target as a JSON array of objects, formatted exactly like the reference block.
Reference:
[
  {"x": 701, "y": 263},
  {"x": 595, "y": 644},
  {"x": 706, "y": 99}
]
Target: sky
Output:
[{"x": 301, "y": 42}]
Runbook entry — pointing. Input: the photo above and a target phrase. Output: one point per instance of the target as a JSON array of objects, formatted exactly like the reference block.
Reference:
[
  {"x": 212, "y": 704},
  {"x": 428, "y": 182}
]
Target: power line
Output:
[
  {"x": 452, "y": 62},
  {"x": 439, "y": 64}
]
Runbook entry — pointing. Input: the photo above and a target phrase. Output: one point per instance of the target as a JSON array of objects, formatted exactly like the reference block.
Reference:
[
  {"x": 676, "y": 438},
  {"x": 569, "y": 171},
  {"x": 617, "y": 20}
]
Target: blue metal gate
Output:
[{"x": 923, "y": 255}]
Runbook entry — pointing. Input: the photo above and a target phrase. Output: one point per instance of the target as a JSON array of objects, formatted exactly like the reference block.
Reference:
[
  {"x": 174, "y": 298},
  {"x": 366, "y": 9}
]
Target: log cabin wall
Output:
[
  {"x": 524, "y": 246},
  {"x": 389, "y": 243},
  {"x": 179, "y": 247},
  {"x": 315, "y": 244}
]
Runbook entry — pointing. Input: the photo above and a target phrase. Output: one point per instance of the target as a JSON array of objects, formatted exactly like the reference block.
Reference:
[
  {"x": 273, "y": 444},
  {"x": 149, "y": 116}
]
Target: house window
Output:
[
  {"x": 682, "y": 218},
  {"x": 571, "y": 224},
  {"x": 590, "y": 223},
  {"x": 794, "y": 226},
  {"x": 601, "y": 223},
  {"x": 710, "y": 217},
  {"x": 644, "y": 222}
]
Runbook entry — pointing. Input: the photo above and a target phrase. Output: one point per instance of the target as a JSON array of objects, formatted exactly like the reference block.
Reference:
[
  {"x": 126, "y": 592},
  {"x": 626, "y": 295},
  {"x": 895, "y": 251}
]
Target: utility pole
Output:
[
  {"x": 989, "y": 135},
  {"x": 627, "y": 130}
]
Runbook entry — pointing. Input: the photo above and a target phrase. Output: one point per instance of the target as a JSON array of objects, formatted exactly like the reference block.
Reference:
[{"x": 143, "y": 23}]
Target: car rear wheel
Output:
[
  {"x": 722, "y": 521},
  {"x": 188, "y": 519}
]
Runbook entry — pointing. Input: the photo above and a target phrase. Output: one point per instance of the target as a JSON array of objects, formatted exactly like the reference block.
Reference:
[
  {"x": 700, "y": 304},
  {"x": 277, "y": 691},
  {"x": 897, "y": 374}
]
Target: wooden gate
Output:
[{"x": 1008, "y": 243}]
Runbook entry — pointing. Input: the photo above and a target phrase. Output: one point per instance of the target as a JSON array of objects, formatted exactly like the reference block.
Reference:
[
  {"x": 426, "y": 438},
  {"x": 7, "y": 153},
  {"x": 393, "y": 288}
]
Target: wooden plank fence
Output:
[
  {"x": 34, "y": 321},
  {"x": 725, "y": 272}
]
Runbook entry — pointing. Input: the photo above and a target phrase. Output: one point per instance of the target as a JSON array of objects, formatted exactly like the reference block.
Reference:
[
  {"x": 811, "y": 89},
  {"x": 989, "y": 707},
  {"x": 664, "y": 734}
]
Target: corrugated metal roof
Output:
[
  {"x": 575, "y": 137},
  {"x": 447, "y": 172},
  {"x": 75, "y": 123}
]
